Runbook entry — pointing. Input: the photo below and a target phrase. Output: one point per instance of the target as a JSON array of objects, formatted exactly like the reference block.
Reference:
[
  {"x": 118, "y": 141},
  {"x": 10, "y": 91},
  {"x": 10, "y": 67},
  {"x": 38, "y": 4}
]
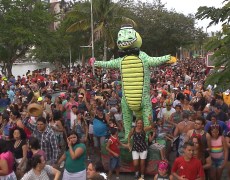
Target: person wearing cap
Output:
[
  {"x": 221, "y": 103},
  {"x": 47, "y": 104},
  {"x": 218, "y": 112},
  {"x": 81, "y": 103},
  {"x": 100, "y": 129},
  {"x": 166, "y": 112},
  {"x": 39, "y": 101}
]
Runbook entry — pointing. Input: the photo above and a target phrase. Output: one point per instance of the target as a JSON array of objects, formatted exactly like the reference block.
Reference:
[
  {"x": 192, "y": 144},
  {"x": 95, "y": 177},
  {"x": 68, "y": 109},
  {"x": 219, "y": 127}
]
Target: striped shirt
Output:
[
  {"x": 48, "y": 141},
  {"x": 217, "y": 148}
]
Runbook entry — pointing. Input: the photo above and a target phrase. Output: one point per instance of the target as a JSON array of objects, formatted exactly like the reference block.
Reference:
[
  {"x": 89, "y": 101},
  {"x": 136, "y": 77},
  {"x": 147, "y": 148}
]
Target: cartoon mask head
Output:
[{"x": 128, "y": 38}]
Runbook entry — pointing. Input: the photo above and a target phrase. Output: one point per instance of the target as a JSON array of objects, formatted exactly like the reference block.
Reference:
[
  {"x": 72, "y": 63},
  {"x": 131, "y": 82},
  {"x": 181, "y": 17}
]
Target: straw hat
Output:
[{"x": 35, "y": 109}]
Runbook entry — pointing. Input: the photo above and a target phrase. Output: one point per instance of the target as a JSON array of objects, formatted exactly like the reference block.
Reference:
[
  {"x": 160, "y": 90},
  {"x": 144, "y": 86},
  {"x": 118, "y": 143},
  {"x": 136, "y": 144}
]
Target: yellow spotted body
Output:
[{"x": 132, "y": 71}]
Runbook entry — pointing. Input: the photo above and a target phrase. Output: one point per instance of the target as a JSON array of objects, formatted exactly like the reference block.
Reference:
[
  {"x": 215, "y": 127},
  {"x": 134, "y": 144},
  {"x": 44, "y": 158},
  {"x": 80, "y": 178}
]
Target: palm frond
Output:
[
  {"x": 99, "y": 27},
  {"x": 118, "y": 21},
  {"x": 80, "y": 25},
  {"x": 78, "y": 14},
  {"x": 111, "y": 43},
  {"x": 98, "y": 31}
]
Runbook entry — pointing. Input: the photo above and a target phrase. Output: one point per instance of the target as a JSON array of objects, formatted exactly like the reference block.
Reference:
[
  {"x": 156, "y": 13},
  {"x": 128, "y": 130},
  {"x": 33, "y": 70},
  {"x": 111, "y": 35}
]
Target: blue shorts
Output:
[
  {"x": 114, "y": 163},
  {"x": 98, "y": 141},
  {"x": 216, "y": 163}
]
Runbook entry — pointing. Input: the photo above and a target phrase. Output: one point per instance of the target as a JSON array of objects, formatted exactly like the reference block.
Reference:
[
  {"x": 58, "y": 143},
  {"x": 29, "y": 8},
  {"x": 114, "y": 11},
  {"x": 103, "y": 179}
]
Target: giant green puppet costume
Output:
[{"x": 134, "y": 67}]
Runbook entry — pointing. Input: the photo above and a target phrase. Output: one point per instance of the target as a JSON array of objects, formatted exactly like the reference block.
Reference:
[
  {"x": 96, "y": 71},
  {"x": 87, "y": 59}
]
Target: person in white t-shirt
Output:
[
  {"x": 166, "y": 112},
  {"x": 73, "y": 116},
  {"x": 179, "y": 99},
  {"x": 164, "y": 115},
  {"x": 118, "y": 118}
]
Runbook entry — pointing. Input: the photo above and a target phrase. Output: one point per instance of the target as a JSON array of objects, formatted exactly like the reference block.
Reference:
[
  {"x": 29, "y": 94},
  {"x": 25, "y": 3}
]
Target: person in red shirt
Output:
[
  {"x": 187, "y": 167},
  {"x": 114, "y": 152}
]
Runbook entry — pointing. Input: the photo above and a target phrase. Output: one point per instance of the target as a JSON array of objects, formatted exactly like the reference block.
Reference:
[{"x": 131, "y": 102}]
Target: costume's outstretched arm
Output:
[
  {"x": 156, "y": 61},
  {"x": 114, "y": 64}
]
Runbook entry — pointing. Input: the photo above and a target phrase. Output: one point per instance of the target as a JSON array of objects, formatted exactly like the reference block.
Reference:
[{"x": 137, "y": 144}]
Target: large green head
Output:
[{"x": 128, "y": 38}]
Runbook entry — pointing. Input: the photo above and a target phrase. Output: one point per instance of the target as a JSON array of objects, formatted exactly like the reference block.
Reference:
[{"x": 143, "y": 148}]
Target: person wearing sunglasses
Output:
[
  {"x": 227, "y": 138},
  {"x": 214, "y": 120}
]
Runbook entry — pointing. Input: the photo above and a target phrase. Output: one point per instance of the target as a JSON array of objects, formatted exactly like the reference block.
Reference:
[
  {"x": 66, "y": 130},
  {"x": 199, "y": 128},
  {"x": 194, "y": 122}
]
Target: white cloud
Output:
[{"x": 190, "y": 7}]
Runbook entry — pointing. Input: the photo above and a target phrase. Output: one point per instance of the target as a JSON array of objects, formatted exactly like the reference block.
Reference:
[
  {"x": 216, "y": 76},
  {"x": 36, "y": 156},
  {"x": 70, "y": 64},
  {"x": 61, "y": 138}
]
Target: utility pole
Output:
[
  {"x": 92, "y": 37},
  {"x": 70, "y": 58}
]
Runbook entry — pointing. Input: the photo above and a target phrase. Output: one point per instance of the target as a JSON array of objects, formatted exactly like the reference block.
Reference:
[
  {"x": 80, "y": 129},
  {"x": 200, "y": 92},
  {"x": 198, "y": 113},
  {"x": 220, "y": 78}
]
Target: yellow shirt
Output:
[{"x": 226, "y": 99}]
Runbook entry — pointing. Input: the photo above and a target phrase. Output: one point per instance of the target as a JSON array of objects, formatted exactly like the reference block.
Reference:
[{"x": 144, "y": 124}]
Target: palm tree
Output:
[{"x": 107, "y": 15}]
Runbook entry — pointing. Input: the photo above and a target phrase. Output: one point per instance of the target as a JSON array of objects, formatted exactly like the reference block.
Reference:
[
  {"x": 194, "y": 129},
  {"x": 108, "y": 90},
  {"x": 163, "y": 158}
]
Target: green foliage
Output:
[
  {"x": 23, "y": 25},
  {"x": 107, "y": 17},
  {"x": 219, "y": 44},
  {"x": 163, "y": 31}
]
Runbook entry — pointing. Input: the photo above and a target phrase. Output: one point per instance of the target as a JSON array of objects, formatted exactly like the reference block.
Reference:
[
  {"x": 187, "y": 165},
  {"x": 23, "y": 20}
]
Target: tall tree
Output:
[
  {"x": 218, "y": 44},
  {"x": 106, "y": 15},
  {"x": 163, "y": 31},
  {"x": 23, "y": 24}
]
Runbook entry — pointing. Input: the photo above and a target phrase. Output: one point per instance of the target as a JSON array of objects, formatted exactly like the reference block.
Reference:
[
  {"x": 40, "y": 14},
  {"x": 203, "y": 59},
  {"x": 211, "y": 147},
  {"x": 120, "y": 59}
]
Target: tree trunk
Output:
[
  {"x": 83, "y": 59},
  {"x": 9, "y": 69},
  {"x": 3, "y": 70},
  {"x": 105, "y": 50}
]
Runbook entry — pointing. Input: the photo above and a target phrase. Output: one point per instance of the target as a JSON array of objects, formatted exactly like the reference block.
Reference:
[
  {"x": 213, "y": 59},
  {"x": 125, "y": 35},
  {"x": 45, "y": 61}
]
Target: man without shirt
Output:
[
  {"x": 199, "y": 131},
  {"x": 181, "y": 130}
]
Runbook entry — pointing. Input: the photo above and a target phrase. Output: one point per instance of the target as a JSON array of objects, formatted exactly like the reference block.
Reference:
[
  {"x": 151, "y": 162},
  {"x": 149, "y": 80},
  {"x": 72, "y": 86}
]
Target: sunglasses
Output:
[{"x": 215, "y": 126}]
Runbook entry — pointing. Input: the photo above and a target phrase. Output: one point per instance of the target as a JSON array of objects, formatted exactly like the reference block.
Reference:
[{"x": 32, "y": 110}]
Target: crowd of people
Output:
[{"x": 187, "y": 118}]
